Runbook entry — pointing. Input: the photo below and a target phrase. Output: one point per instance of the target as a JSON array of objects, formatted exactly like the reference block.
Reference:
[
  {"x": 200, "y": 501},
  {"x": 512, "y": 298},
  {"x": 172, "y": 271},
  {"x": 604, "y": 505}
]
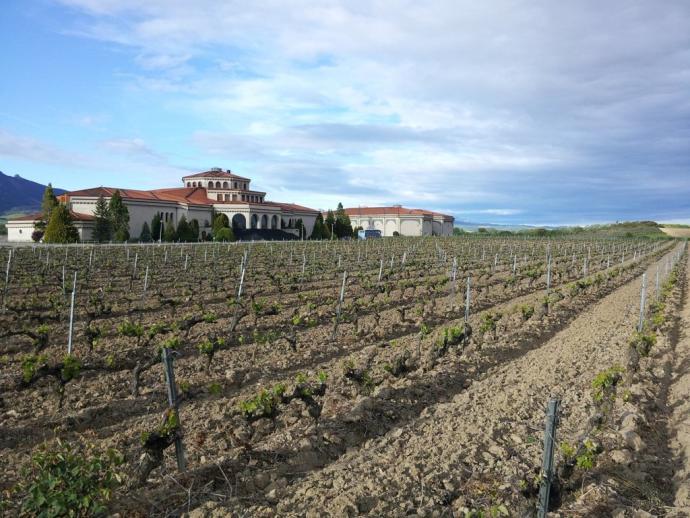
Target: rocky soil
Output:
[{"x": 481, "y": 449}]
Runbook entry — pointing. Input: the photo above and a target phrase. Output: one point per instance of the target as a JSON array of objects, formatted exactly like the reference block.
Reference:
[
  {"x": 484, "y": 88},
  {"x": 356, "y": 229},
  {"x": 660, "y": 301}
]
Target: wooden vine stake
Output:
[
  {"x": 71, "y": 315},
  {"x": 453, "y": 279},
  {"x": 643, "y": 296},
  {"x": 7, "y": 280},
  {"x": 339, "y": 308},
  {"x": 467, "y": 299},
  {"x": 547, "y": 469},
  {"x": 173, "y": 403}
]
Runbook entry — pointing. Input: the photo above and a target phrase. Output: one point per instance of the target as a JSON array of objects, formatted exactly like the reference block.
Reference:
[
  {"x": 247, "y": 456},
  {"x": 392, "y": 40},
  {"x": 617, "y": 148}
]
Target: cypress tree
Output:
[
  {"x": 169, "y": 234},
  {"x": 220, "y": 222},
  {"x": 330, "y": 225},
  {"x": 48, "y": 203},
  {"x": 156, "y": 227},
  {"x": 103, "y": 227},
  {"x": 300, "y": 227},
  {"x": 319, "y": 231},
  {"x": 119, "y": 217},
  {"x": 224, "y": 234},
  {"x": 145, "y": 236},
  {"x": 185, "y": 232},
  {"x": 60, "y": 228},
  {"x": 194, "y": 227},
  {"x": 343, "y": 226}
]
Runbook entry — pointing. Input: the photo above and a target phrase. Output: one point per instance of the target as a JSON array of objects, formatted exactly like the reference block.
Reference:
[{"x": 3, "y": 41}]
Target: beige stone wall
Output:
[
  {"x": 406, "y": 225},
  {"x": 19, "y": 231}
]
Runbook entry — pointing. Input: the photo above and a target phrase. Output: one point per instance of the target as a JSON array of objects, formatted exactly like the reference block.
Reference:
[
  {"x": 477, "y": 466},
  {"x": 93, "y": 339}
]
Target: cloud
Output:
[
  {"x": 553, "y": 109},
  {"x": 34, "y": 150},
  {"x": 130, "y": 147}
]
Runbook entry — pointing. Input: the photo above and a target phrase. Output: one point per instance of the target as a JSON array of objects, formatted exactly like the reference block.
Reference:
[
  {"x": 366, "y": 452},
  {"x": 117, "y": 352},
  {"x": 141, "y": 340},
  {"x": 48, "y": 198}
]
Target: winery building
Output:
[{"x": 203, "y": 193}]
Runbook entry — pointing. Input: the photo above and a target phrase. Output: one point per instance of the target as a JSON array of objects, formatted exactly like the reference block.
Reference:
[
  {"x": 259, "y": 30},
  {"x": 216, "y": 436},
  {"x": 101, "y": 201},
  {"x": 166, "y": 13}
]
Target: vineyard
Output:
[{"x": 404, "y": 376}]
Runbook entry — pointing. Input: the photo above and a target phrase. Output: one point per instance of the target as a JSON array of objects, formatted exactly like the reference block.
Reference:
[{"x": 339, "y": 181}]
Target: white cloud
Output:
[{"x": 479, "y": 98}]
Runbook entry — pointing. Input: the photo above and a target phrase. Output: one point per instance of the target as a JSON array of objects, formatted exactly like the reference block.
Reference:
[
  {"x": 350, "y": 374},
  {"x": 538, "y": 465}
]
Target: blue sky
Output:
[{"x": 533, "y": 112}]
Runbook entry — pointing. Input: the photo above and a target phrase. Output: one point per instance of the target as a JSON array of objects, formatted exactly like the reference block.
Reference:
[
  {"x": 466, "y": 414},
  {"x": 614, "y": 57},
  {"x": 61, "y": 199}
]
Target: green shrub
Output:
[
  {"x": 264, "y": 404},
  {"x": 488, "y": 322},
  {"x": 527, "y": 311},
  {"x": 605, "y": 381},
  {"x": 71, "y": 366},
  {"x": 209, "y": 318},
  {"x": 64, "y": 481},
  {"x": 585, "y": 460},
  {"x": 30, "y": 364},
  {"x": 130, "y": 329},
  {"x": 567, "y": 450},
  {"x": 643, "y": 342}
]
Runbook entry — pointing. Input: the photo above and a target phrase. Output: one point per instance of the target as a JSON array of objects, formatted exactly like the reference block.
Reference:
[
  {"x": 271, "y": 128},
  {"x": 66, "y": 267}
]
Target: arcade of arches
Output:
[{"x": 256, "y": 221}]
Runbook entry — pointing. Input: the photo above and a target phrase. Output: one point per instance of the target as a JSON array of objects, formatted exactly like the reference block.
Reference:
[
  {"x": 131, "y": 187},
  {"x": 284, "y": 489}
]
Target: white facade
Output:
[{"x": 405, "y": 222}]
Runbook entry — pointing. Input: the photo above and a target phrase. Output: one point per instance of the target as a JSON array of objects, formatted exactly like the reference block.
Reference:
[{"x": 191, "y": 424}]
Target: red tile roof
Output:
[
  {"x": 76, "y": 216},
  {"x": 217, "y": 174},
  {"x": 193, "y": 195},
  {"x": 396, "y": 210},
  {"x": 188, "y": 195},
  {"x": 290, "y": 206}
]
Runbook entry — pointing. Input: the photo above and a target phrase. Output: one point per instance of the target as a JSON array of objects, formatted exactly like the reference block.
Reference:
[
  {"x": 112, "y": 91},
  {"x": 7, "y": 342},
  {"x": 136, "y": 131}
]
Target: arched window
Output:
[
  {"x": 217, "y": 185},
  {"x": 189, "y": 184},
  {"x": 225, "y": 185},
  {"x": 235, "y": 185},
  {"x": 264, "y": 221},
  {"x": 193, "y": 184},
  {"x": 255, "y": 220},
  {"x": 274, "y": 221}
]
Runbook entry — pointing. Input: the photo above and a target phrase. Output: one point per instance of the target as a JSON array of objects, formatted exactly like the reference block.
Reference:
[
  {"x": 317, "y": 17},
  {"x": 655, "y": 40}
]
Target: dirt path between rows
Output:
[
  {"x": 679, "y": 403},
  {"x": 475, "y": 450}
]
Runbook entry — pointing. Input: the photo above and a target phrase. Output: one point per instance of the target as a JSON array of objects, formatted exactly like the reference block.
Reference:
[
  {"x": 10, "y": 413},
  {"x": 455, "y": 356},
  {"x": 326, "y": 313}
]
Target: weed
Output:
[
  {"x": 603, "y": 385},
  {"x": 30, "y": 364},
  {"x": 65, "y": 481},
  {"x": 527, "y": 310}
]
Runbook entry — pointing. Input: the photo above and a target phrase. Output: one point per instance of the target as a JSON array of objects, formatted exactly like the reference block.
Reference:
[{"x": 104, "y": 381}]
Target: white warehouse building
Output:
[{"x": 406, "y": 222}]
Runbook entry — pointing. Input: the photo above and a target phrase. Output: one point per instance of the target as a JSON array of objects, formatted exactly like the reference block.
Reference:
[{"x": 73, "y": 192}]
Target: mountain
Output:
[{"x": 18, "y": 194}]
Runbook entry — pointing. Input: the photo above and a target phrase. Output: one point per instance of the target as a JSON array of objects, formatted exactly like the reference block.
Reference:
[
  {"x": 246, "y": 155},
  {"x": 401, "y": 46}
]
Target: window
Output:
[
  {"x": 220, "y": 197},
  {"x": 225, "y": 185},
  {"x": 235, "y": 185},
  {"x": 234, "y": 197},
  {"x": 227, "y": 197},
  {"x": 189, "y": 184}
]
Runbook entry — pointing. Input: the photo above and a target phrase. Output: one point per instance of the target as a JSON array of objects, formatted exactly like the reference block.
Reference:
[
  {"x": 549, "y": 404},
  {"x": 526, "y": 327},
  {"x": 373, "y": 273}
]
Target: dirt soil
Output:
[
  {"x": 676, "y": 232},
  {"x": 679, "y": 405},
  {"x": 477, "y": 449}
]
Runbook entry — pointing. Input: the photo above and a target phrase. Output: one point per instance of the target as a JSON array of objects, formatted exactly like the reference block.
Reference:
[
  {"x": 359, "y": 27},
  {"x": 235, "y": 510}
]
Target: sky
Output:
[{"x": 499, "y": 111}]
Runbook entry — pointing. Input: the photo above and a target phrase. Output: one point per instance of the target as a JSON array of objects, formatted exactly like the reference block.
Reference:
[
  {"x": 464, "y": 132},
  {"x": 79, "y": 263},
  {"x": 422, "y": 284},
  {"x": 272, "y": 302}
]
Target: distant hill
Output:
[
  {"x": 637, "y": 229},
  {"x": 19, "y": 195}
]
